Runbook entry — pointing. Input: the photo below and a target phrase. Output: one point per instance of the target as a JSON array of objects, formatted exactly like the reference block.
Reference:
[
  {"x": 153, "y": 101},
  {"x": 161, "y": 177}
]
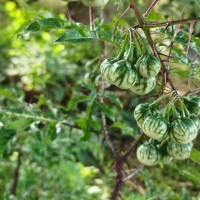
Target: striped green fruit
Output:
[
  {"x": 166, "y": 159},
  {"x": 148, "y": 66},
  {"x": 194, "y": 105},
  {"x": 179, "y": 151},
  {"x": 196, "y": 120},
  {"x": 148, "y": 154},
  {"x": 122, "y": 75},
  {"x": 140, "y": 113},
  {"x": 106, "y": 66},
  {"x": 183, "y": 130},
  {"x": 144, "y": 85},
  {"x": 155, "y": 127}
]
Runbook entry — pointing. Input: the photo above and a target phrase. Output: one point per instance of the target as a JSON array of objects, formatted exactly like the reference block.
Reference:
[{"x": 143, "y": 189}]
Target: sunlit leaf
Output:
[
  {"x": 155, "y": 16},
  {"x": 77, "y": 35},
  {"x": 45, "y": 24}
]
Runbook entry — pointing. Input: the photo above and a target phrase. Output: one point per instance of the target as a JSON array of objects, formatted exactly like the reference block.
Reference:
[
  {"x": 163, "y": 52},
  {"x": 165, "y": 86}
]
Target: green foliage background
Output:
[{"x": 50, "y": 113}]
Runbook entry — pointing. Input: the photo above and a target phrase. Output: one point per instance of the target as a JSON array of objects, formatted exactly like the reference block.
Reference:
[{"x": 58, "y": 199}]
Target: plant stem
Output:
[
  {"x": 40, "y": 118},
  {"x": 139, "y": 168},
  {"x": 121, "y": 53},
  {"x": 150, "y": 8},
  {"x": 151, "y": 43},
  {"x": 168, "y": 23},
  {"x": 16, "y": 174}
]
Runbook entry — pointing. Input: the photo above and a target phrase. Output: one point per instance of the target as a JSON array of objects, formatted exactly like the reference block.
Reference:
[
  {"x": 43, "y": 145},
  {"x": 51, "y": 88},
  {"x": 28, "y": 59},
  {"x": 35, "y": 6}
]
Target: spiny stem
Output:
[
  {"x": 168, "y": 23},
  {"x": 151, "y": 42}
]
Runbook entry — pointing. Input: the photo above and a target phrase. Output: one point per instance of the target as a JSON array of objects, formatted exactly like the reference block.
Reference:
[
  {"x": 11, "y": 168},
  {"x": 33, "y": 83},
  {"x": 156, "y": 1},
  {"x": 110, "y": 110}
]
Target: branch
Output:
[
  {"x": 137, "y": 12},
  {"x": 16, "y": 174},
  {"x": 133, "y": 146},
  {"x": 196, "y": 91},
  {"x": 139, "y": 168},
  {"x": 150, "y": 8},
  {"x": 116, "y": 155},
  {"x": 151, "y": 43},
  {"x": 168, "y": 23},
  {"x": 119, "y": 166},
  {"x": 104, "y": 125}
]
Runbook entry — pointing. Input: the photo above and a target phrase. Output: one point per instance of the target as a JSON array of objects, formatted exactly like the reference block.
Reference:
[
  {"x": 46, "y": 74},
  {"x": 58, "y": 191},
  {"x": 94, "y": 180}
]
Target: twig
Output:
[
  {"x": 133, "y": 146},
  {"x": 104, "y": 125},
  {"x": 137, "y": 13},
  {"x": 118, "y": 5},
  {"x": 150, "y": 8},
  {"x": 68, "y": 14},
  {"x": 139, "y": 168},
  {"x": 116, "y": 23},
  {"x": 196, "y": 91},
  {"x": 171, "y": 46},
  {"x": 168, "y": 23},
  {"x": 190, "y": 36},
  {"x": 90, "y": 18},
  {"x": 16, "y": 174}
]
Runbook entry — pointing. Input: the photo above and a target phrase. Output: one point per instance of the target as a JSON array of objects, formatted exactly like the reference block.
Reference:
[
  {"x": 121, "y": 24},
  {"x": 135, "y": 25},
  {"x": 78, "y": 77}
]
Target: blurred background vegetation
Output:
[{"x": 42, "y": 83}]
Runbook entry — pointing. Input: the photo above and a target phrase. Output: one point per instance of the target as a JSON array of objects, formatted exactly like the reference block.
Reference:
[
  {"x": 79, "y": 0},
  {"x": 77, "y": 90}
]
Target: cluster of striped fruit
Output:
[
  {"x": 171, "y": 130},
  {"x": 134, "y": 69}
]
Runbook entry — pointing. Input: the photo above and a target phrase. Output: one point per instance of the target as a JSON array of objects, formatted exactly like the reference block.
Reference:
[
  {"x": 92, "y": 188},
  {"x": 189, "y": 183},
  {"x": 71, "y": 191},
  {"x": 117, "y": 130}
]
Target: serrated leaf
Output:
[
  {"x": 45, "y": 24},
  {"x": 77, "y": 35},
  {"x": 5, "y": 136}
]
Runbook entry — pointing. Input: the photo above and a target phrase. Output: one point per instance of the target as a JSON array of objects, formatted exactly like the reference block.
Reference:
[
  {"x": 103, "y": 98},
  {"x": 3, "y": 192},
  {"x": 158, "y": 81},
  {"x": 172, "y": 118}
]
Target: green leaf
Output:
[
  {"x": 77, "y": 35},
  {"x": 112, "y": 97},
  {"x": 5, "y": 136},
  {"x": 195, "y": 47},
  {"x": 192, "y": 174},
  {"x": 8, "y": 94},
  {"x": 154, "y": 16},
  {"x": 106, "y": 110},
  {"x": 77, "y": 99},
  {"x": 19, "y": 124},
  {"x": 52, "y": 131},
  {"x": 83, "y": 123},
  {"x": 195, "y": 155},
  {"x": 118, "y": 125},
  {"x": 45, "y": 24}
]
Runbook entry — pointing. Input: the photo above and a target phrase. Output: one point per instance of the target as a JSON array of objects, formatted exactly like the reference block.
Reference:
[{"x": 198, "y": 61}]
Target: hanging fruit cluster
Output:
[
  {"x": 170, "y": 129},
  {"x": 134, "y": 69}
]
